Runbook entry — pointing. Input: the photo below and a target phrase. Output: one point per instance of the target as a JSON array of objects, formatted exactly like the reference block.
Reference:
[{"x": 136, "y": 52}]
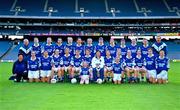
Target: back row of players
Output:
[{"x": 97, "y": 63}]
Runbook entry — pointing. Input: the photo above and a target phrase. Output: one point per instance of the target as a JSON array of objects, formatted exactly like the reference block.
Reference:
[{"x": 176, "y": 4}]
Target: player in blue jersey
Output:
[
  {"x": 56, "y": 69},
  {"x": 60, "y": 46},
  {"x": 140, "y": 64},
  {"x": 129, "y": 66},
  {"x": 162, "y": 66},
  {"x": 158, "y": 46},
  {"x": 25, "y": 49},
  {"x": 133, "y": 47},
  {"x": 48, "y": 47},
  {"x": 79, "y": 47},
  {"x": 89, "y": 46},
  {"x": 101, "y": 47},
  {"x": 36, "y": 47},
  {"x": 151, "y": 66},
  {"x": 117, "y": 71},
  {"x": 66, "y": 63},
  {"x": 112, "y": 48},
  {"x": 108, "y": 60},
  {"x": 46, "y": 63},
  {"x": 123, "y": 48},
  {"x": 84, "y": 75},
  {"x": 77, "y": 60},
  {"x": 33, "y": 66},
  {"x": 70, "y": 45},
  {"x": 144, "y": 48}
]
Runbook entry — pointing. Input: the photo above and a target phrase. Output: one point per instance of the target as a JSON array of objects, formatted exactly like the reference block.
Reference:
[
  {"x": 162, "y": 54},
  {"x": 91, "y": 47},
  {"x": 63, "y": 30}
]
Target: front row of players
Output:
[{"x": 98, "y": 69}]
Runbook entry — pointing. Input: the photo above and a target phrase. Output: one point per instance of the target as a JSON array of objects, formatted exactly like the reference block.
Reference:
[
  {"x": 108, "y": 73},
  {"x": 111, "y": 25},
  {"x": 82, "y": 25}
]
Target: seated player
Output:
[
  {"x": 56, "y": 69},
  {"x": 162, "y": 66},
  {"x": 117, "y": 71},
  {"x": 129, "y": 67},
  {"x": 33, "y": 68},
  {"x": 98, "y": 66},
  {"x": 151, "y": 66},
  {"x": 108, "y": 60},
  {"x": 66, "y": 63},
  {"x": 84, "y": 73},
  {"x": 46, "y": 63},
  {"x": 139, "y": 67},
  {"x": 77, "y": 60}
]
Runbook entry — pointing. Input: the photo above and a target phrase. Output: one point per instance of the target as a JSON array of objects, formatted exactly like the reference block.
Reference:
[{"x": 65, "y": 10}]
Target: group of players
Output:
[{"x": 96, "y": 63}]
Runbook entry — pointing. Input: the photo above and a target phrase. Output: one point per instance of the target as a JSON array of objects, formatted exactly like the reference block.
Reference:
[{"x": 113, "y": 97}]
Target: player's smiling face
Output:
[{"x": 150, "y": 52}]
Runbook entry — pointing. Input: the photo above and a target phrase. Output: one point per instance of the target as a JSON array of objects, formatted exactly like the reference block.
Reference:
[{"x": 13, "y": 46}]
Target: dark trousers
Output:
[{"x": 20, "y": 76}]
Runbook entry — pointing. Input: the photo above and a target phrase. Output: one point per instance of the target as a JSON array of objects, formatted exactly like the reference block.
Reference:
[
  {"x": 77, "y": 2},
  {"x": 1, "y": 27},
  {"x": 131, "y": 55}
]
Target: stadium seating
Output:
[{"x": 4, "y": 46}]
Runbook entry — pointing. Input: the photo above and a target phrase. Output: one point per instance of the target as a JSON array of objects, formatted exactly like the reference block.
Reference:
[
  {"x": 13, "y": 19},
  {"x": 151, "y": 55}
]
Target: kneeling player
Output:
[
  {"x": 84, "y": 73},
  {"x": 77, "y": 60},
  {"x": 56, "y": 66},
  {"x": 162, "y": 66},
  {"x": 46, "y": 66},
  {"x": 129, "y": 67},
  {"x": 117, "y": 69},
  {"x": 108, "y": 66},
  {"x": 33, "y": 68},
  {"x": 139, "y": 66},
  {"x": 151, "y": 66}
]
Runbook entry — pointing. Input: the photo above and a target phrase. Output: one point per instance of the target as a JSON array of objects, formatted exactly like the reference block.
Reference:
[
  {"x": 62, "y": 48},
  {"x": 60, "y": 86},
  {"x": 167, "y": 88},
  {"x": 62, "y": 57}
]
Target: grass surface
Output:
[{"x": 65, "y": 96}]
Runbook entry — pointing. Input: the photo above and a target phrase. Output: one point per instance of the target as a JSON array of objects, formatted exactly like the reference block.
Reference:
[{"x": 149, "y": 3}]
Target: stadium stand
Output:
[{"x": 4, "y": 47}]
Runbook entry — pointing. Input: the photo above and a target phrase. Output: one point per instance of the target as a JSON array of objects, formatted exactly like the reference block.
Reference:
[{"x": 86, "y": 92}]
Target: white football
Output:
[
  {"x": 99, "y": 81},
  {"x": 73, "y": 80},
  {"x": 53, "y": 80}
]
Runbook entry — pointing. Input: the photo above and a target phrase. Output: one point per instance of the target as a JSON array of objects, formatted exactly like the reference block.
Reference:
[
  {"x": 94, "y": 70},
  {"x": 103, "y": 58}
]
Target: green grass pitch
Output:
[{"x": 65, "y": 96}]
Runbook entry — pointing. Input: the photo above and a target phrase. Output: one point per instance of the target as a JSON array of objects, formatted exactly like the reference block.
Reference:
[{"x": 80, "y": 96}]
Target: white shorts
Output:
[
  {"x": 108, "y": 68},
  {"x": 117, "y": 77},
  {"x": 56, "y": 69},
  {"x": 163, "y": 75},
  {"x": 151, "y": 73},
  {"x": 33, "y": 74},
  {"x": 77, "y": 69},
  {"x": 45, "y": 73},
  {"x": 84, "y": 79},
  {"x": 66, "y": 68}
]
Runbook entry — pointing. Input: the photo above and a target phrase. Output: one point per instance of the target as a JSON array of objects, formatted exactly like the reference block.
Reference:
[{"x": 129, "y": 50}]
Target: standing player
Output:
[
  {"x": 144, "y": 48},
  {"x": 133, "y": 47},
  {"x": 117, "y": 71},
  {"x": 151, "y": 66},
  {"x": 112, "y": 48},
  {"x": 25, "y": 49},
  {"x": 123, "y": 48},
  {"x": 101, "y": 47},
  {"x": 36, "y": 47},
  {"x": 56, "y": 66},
  {"x": 79, "y": 47},
  {"x": 60, "y": 46},
  {"x": 33, "y": 65},
  {"x": 162, "y": 66},
  {"x": 46, "y": 63},
  {"x": 70, "y": 45},
  {"x": 129, "y": 67},
  {"x": 84, "y": 73},
  {"x": 48, "y": 47},
  {"x": 90, "y": 46},
  {"x": 140, "y": 66},
  {"x": 108, "y": 60}
]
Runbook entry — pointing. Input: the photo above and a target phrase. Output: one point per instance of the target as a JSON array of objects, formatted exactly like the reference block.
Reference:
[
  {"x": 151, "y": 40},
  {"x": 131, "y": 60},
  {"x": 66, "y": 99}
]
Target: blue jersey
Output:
[
  {"x": 37, "y": 50},
  {"x": 71, "y": 48},
  {"x": 162, "y": 64},
  {"x": 129, "y": 62},
  {"x": 60, "y": 48},
  {"x": 84, "y": 71},
  {"x": 102, "y": 49},
  {"x": 108, "y": 61},
  {"x": 118, "y": 68},
  {"x": 77, "y": 61},
  {"x": 139, "y": 62},
  {"x": 157, "y": 47},
  {"x": 87, "y": 59},
  {"x": 33, "y": 65},
  {"x": 150, "y": 62},
  {"x": 144, "y": 50},
  {"x": 46, "y": 63},
  {"x": 25, "y": 50},
  {"x": 57, "y": 60},
  {"x": 80, "y": 48},
  {"x": 112, "y": 50},
  {"x": 91, "y": 49},
  {"x": 49, "y": 49},
  {"x": 133, "y": 50},
  {"x": 67, "y": 60},
  {"x": 123, "y": 51}
]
